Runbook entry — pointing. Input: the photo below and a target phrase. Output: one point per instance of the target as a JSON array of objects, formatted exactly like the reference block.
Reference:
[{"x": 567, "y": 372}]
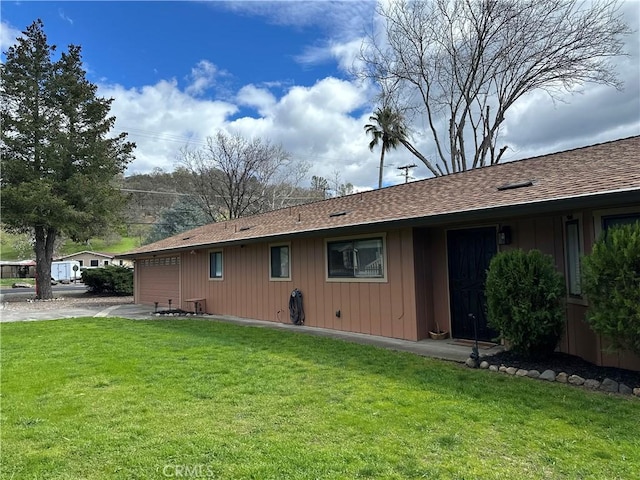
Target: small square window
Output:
[
  {"x": 280, "y": 262},
  {"x": 215, "y": 264},
  {"x": 94, "y": 263}
]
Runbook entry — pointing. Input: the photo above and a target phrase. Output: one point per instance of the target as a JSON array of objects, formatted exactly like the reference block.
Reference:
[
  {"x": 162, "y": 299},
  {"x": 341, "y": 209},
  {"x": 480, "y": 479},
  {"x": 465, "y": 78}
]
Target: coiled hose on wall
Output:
[{"x": 296, "y": 311}]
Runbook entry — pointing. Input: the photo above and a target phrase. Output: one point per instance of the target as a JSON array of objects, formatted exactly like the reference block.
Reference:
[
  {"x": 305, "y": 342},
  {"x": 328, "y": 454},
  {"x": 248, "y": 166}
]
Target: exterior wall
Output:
[
  {"x": 406, "y": 305},
  {"x": 157, "y": 279},
  {"x": 376, "y": 308},
  {"x": 16, "y": 270},
  {"x": 87, "y": 257},
  {"x": 545, "y": 233}
]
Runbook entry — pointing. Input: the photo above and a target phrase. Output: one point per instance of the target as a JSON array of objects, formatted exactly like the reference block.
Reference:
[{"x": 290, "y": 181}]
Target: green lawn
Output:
[
  {"x": 114, "y": 398},
  {"x": 7, "y": 282},
  {"x": 10, "y": 241},
  {"x": 124, "y": 244}
]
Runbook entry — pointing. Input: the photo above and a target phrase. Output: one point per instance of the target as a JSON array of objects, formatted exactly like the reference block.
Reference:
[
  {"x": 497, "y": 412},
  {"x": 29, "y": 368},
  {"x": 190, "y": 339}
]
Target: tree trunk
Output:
[
  {"x": 381, "y": 167},
  {"x": 45, "y": 238}
]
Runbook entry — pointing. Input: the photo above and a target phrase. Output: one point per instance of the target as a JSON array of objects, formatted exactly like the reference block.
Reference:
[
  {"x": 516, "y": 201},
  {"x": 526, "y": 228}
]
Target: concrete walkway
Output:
[{"x": 452, "y": 350}]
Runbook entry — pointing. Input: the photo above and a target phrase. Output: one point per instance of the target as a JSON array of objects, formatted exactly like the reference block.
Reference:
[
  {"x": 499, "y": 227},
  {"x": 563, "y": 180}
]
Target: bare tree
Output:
[
  {"x": 461, "y": 64},
  {"x": 234, "y": 177},
  {"x": 339, "y": 188}
]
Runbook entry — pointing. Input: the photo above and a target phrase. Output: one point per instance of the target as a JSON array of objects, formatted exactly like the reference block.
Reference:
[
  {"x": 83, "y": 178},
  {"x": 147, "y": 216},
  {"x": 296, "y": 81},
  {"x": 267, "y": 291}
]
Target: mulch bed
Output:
[{"x": 570, "y": 364}]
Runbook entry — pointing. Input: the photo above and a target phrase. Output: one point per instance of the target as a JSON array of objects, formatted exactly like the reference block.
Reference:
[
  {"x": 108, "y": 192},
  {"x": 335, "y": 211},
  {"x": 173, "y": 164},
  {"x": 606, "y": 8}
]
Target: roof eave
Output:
[{"x": 604, "y": 199}]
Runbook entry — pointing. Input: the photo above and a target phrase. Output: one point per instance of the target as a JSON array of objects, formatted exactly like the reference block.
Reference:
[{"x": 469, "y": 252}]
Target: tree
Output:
[
  {"x": 611, "y": 283},
  {"x": 58, "y": 162},
  {"x": 181, "y": 216},
  {"x": 319, "y": 186},
  {"x": 525, "y": 300},
  {"x": 234, "y": 177},
  {"x": 461, "y": 65},
  {"x": 386, "y": 127},
  {"x": 340, "y": 189}
]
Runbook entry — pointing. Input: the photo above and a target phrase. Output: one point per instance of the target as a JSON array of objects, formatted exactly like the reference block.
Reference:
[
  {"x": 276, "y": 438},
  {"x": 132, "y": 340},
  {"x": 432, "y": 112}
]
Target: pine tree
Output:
[{"x": 58, "y": 164}]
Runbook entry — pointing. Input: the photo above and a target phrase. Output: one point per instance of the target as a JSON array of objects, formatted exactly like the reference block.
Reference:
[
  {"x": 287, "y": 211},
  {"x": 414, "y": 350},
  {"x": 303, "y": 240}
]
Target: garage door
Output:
[{"x": 158, "y": 281}]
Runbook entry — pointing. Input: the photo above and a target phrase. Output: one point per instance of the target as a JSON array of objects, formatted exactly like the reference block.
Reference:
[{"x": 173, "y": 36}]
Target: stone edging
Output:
[{"x": 607, "y": 385}]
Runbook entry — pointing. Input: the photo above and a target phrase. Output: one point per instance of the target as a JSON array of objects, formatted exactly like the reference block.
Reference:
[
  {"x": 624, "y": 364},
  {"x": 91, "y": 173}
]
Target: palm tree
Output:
[{"x": 388, "y": 127}]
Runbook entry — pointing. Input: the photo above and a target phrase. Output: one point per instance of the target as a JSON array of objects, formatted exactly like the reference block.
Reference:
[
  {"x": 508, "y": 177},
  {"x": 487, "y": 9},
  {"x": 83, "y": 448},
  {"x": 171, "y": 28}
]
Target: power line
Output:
[
  {"x": 198, "y": 142},
  {"x": 155, "y": 192},
  {"x": 406, "y": 171},
  {"x": 132, "y": 190}
]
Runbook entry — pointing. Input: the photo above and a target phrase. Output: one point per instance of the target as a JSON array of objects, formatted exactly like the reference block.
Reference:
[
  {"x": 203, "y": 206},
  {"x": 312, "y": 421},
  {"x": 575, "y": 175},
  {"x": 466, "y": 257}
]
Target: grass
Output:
[
  {"x": 10, "y": 241},
  {"x": 8, "y": 282},
  {"x": 123, "y": 244},
  {"x": 114, "y": 398}
]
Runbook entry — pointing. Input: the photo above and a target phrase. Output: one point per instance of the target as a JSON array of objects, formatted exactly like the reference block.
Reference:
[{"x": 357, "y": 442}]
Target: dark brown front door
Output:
[{"x": 469, "y": 253}]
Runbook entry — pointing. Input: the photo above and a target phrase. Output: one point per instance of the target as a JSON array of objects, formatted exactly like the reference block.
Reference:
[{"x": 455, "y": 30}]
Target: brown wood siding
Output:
[
  {"x": 441, "y": 310},
  {"x": 158, "y": 280},
  {"x": 377, "y": 308},
  {"x": 424, "y": 272}
]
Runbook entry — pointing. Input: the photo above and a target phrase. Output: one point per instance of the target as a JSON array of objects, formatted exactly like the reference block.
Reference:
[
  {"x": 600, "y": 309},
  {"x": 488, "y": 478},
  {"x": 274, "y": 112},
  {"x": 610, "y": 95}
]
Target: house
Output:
[
  {"x": 396, "y": 261},
  {"x": 90, "y": 259},
  {"x": 18, "y": 269}
]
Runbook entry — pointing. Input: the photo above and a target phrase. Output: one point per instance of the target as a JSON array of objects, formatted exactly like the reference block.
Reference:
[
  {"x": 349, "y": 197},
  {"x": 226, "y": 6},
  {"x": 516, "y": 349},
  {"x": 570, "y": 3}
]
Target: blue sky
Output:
[{"x": 181, "y": 71}]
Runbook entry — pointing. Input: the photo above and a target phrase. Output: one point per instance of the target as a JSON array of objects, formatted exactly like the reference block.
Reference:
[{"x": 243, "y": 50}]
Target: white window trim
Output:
[
  {"x": 279, "y": 279},
  {"x": 215, "y": 250},
  {"x": 385, "y": 262},
  {"x": 572, "y": 298}
]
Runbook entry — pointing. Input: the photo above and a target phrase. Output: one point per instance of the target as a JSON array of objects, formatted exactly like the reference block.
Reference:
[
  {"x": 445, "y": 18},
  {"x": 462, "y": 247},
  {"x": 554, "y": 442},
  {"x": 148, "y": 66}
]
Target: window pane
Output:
[
  {"x": 215, "y": 265},
  {"x": 357, "y": 258},
  {"x": 573, "y": 258},
  {"x": 612, "y": 221},
  {"x": 280, "y": 262},
  {"x": 340, "y": 255},
  {"x": 368, "y": 258}
]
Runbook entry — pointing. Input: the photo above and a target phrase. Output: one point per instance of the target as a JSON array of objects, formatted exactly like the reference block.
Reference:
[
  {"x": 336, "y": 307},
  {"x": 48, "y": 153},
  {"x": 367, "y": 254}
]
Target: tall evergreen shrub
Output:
[
  {"x": 525, "y": 305},
  {"x": 611, "y": 282}
]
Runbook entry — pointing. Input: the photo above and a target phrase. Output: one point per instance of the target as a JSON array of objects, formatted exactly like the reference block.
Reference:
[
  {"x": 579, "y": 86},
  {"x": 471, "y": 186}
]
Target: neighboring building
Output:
[
  {"x": 395, "y": 261},
  {"x": 18, "y": 269},
  {"x": 89, "y": 259}
]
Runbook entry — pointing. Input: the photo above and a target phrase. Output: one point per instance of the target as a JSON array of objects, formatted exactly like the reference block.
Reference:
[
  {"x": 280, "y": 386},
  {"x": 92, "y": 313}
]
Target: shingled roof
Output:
[{"x": 563, "y": 179}]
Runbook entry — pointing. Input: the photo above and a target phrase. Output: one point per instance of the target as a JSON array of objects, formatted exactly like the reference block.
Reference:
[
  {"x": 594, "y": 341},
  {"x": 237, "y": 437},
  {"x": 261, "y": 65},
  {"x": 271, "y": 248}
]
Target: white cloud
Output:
[
  {"x": 323, "y": 123},
  {"x": 315, "y": 124},
  {"x": 64, "y": 17},
  {"x": 260, "y": 98},
  {"x": 161, "y": 119},
  {"x": 8, "y": 35},
  {"x": 203, "y": 76}
]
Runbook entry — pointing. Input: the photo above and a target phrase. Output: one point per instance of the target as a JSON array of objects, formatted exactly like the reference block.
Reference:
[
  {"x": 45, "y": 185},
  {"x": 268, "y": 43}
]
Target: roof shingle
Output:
[{"x": 594, "y": 170}]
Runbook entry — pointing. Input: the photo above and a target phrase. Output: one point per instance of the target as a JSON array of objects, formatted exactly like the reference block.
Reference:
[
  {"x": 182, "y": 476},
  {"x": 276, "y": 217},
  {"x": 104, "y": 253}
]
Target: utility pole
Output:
[{"x": 406, "y": 171}]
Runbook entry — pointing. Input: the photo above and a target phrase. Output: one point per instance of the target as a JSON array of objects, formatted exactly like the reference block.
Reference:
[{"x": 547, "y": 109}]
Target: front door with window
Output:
[{"x": 469, "y": 253}]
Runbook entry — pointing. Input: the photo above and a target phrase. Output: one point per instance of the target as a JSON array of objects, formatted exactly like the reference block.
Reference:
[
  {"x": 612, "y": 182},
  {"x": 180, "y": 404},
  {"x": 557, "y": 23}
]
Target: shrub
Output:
[
  {"x": 114, "y": 280},
  {"x": 525, "y": 296},
  {"x": 611, "y": 282}
]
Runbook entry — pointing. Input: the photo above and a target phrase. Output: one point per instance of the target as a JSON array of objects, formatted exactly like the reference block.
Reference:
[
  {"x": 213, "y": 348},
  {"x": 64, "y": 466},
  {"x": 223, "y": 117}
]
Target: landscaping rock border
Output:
[{"x": 607, "y": 385}]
